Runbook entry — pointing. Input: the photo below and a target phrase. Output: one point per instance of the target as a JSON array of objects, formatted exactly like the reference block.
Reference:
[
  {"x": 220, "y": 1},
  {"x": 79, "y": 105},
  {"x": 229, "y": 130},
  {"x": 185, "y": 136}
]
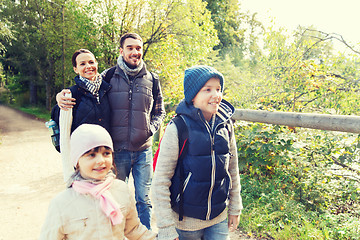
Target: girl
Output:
[
  {"x": 208, "y": 175},
  {"x": 92, "y": 104},
  {"x": 95, "y": 206}
]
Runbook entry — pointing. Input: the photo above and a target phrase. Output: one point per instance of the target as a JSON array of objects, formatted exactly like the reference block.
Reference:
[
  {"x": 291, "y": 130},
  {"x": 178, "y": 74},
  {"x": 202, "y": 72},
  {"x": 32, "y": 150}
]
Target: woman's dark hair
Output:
[
  {"x": 129, "y": 35},
  {"x": 77, "y": 53}
]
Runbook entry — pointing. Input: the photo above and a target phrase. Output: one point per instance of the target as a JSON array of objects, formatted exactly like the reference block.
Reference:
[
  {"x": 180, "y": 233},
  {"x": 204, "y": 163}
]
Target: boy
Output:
[{"x": 208, "y": 174}]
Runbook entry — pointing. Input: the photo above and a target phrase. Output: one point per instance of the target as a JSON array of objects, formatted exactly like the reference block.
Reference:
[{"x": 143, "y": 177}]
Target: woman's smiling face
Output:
[{"x": 86, "y": 66}]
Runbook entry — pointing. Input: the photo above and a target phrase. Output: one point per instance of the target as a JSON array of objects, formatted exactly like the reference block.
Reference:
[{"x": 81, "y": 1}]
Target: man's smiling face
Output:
[{"x": 132, "y": 51}]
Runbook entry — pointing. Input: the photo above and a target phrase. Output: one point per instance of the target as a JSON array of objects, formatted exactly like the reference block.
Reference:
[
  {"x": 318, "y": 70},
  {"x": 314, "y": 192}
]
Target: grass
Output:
[
  {"x": 37, "y": 112},
  {"x": 21, "y": 104}
]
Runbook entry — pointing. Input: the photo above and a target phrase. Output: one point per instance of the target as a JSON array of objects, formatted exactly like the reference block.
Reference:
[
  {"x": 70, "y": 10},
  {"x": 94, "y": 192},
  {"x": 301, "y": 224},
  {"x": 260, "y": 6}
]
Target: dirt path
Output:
[{"x": 31, "y": 175}]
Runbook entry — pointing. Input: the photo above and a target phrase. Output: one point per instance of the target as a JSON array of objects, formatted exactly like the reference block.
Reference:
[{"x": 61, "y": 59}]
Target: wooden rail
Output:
[{"x": 342, "y": 123}]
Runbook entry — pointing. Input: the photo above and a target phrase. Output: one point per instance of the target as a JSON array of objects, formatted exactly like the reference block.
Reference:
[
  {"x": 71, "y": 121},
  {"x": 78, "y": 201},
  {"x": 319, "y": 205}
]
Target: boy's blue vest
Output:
[{"x": 207, "y": 181}]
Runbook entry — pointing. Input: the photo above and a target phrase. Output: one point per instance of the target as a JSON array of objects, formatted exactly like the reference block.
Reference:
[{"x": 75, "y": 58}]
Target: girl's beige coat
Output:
[{"x": 76, "y": 216}]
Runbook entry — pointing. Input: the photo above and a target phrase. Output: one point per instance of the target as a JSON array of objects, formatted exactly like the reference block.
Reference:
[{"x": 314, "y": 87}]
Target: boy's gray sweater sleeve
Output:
[
  {"x": 164, "y": 171},
  {"x": 235, "y": 202}
]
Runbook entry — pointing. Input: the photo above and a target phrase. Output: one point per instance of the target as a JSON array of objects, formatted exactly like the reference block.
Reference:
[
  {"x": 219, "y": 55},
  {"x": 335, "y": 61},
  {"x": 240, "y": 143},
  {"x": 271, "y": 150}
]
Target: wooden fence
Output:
[{"x": 342, "y": 123}]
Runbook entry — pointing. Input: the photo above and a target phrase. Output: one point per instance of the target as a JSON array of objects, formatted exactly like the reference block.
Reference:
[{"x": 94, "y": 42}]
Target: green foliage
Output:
[
  {"x": 180, "y": 38},
  {"x": 13, "y": 90},
  {"x": 176, "y": 34},
  {"x": 33, "y": 51},
  {"x": 263, "y": 148},
  {"x": 227, "y": 20},
  {"x": 5, "y": 34},
  {"x": 301, "y": 73},
  {"x": 298, "y": 185}
]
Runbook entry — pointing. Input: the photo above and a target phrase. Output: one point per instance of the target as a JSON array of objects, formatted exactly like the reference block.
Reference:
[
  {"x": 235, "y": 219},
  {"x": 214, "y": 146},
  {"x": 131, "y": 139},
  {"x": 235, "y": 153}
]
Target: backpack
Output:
[
  {"x": 54, "y": 124},
  {"x": 183, "y": 135}
]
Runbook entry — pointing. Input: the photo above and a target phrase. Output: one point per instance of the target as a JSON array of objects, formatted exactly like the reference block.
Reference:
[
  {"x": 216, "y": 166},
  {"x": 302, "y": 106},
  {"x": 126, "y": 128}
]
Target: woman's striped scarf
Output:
[{"x": 92, "y": 86}]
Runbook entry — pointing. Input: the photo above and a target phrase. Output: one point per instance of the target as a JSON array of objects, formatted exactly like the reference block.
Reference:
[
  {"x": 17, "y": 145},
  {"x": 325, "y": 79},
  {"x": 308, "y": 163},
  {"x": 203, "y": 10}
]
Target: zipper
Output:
[
  {"x": 130, "y": 107},
  {"x": 184, "y": 186},
  {"x": 213, "y": 163},
  {"x": 131, "y": 83},
  {"x": 212, "y": 177}
]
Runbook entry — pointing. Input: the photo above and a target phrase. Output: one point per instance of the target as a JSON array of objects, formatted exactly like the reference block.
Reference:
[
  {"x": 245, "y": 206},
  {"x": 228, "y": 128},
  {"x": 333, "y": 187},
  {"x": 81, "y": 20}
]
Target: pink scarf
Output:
[{"x": 101, "y": 191}]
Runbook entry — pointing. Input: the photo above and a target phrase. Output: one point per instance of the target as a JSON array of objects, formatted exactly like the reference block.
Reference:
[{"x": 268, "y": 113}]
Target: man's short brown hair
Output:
[{"x": 129, "y": 35}]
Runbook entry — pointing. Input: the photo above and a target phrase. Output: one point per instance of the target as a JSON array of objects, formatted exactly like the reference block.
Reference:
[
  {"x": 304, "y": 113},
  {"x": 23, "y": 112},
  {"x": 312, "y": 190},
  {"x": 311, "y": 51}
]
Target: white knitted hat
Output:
[{"x": 86, "y": 137}]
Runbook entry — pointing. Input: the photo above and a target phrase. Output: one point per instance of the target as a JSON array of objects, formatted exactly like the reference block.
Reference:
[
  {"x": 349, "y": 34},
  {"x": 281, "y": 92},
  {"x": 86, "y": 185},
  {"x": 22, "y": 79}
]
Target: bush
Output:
[{"x": 290, "y": 189}]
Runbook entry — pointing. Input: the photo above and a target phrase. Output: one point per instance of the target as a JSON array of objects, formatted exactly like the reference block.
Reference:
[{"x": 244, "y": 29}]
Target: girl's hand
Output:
[
  {"x": 233, "y": 222},
  {"x": 65, "y": 103}
]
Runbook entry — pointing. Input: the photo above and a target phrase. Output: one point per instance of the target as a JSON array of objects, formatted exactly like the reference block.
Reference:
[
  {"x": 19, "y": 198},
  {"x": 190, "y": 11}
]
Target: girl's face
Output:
[
  {"x": 96, "y": 163},
  {"x": 86, "y": 66},
  {"x": 208, "y": 98}
]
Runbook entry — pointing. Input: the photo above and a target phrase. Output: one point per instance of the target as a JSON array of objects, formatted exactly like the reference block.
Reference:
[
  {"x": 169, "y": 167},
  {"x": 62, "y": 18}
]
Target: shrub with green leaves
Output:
[{"x": 298, "y": 184}]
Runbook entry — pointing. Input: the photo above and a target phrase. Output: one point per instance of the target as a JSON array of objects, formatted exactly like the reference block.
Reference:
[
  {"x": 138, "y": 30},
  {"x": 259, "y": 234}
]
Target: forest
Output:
[{"x": 296, "y": 183}]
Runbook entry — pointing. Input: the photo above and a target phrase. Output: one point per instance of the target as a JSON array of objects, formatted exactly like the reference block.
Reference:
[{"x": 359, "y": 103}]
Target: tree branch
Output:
[{"x": 345, "y": 166}]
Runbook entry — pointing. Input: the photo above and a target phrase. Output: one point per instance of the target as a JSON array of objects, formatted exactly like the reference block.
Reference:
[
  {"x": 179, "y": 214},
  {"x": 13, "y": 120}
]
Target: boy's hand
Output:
[
  {"x": 233, "y": 222},
  {"x": 65, "y": 103}
]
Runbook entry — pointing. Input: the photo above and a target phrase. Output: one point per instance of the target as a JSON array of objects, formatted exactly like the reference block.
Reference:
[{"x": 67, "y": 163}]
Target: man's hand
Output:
[
  {"x": 233, "y": 222},
  {"x": 65, "y": 103}
]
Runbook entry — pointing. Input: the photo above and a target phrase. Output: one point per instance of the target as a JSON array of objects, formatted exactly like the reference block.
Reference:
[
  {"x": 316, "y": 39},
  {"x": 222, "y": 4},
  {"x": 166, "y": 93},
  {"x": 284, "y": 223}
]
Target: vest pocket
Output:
[{"x": 184, "y": 186}]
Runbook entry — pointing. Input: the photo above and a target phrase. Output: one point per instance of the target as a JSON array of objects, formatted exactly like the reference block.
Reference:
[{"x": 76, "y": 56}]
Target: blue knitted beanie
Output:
[{"x": 196, "y": 77}]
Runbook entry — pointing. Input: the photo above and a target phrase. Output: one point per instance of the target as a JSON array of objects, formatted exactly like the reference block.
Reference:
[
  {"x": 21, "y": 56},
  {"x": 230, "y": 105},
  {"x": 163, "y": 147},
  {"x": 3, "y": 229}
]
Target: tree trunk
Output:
[
  {"x": 48, "y": 94},
  {"x": 33, "y": 93}
]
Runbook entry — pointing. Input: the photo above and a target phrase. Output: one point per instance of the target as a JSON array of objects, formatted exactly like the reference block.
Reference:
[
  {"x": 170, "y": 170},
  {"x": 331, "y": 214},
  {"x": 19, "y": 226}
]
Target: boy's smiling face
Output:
[
  {"x": 96, "y": 163},
  {"x": 208, "y": 98}
]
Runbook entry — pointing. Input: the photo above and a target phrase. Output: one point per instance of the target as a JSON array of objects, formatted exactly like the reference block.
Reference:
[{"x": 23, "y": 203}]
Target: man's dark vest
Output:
[{"x": 131, "y": 104}]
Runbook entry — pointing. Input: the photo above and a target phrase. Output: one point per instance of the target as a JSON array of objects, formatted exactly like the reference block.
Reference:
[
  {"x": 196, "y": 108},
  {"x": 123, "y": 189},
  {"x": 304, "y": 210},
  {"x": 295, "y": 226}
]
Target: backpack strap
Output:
[
  {"x": 183, "y": 135},
  {"x": 75, "y": 93},
  {"x": 109, "y": 74},
  {"x": 155, "y": 87}
]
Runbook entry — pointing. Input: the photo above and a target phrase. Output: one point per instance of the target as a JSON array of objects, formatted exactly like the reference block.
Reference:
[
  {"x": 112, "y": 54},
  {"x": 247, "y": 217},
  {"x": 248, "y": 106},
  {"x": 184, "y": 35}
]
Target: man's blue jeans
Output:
[
  {"x": 140, "y": 165},
  {"x": 218, "y": 231}
]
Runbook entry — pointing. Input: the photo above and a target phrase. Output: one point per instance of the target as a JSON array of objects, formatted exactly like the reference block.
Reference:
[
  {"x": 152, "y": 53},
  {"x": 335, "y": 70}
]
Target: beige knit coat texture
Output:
[{"x": 78, "y": 216}]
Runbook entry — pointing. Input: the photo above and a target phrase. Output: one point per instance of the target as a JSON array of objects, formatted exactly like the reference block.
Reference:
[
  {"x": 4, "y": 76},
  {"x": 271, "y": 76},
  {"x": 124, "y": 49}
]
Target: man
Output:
[{"x": 137, "y": 112}]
